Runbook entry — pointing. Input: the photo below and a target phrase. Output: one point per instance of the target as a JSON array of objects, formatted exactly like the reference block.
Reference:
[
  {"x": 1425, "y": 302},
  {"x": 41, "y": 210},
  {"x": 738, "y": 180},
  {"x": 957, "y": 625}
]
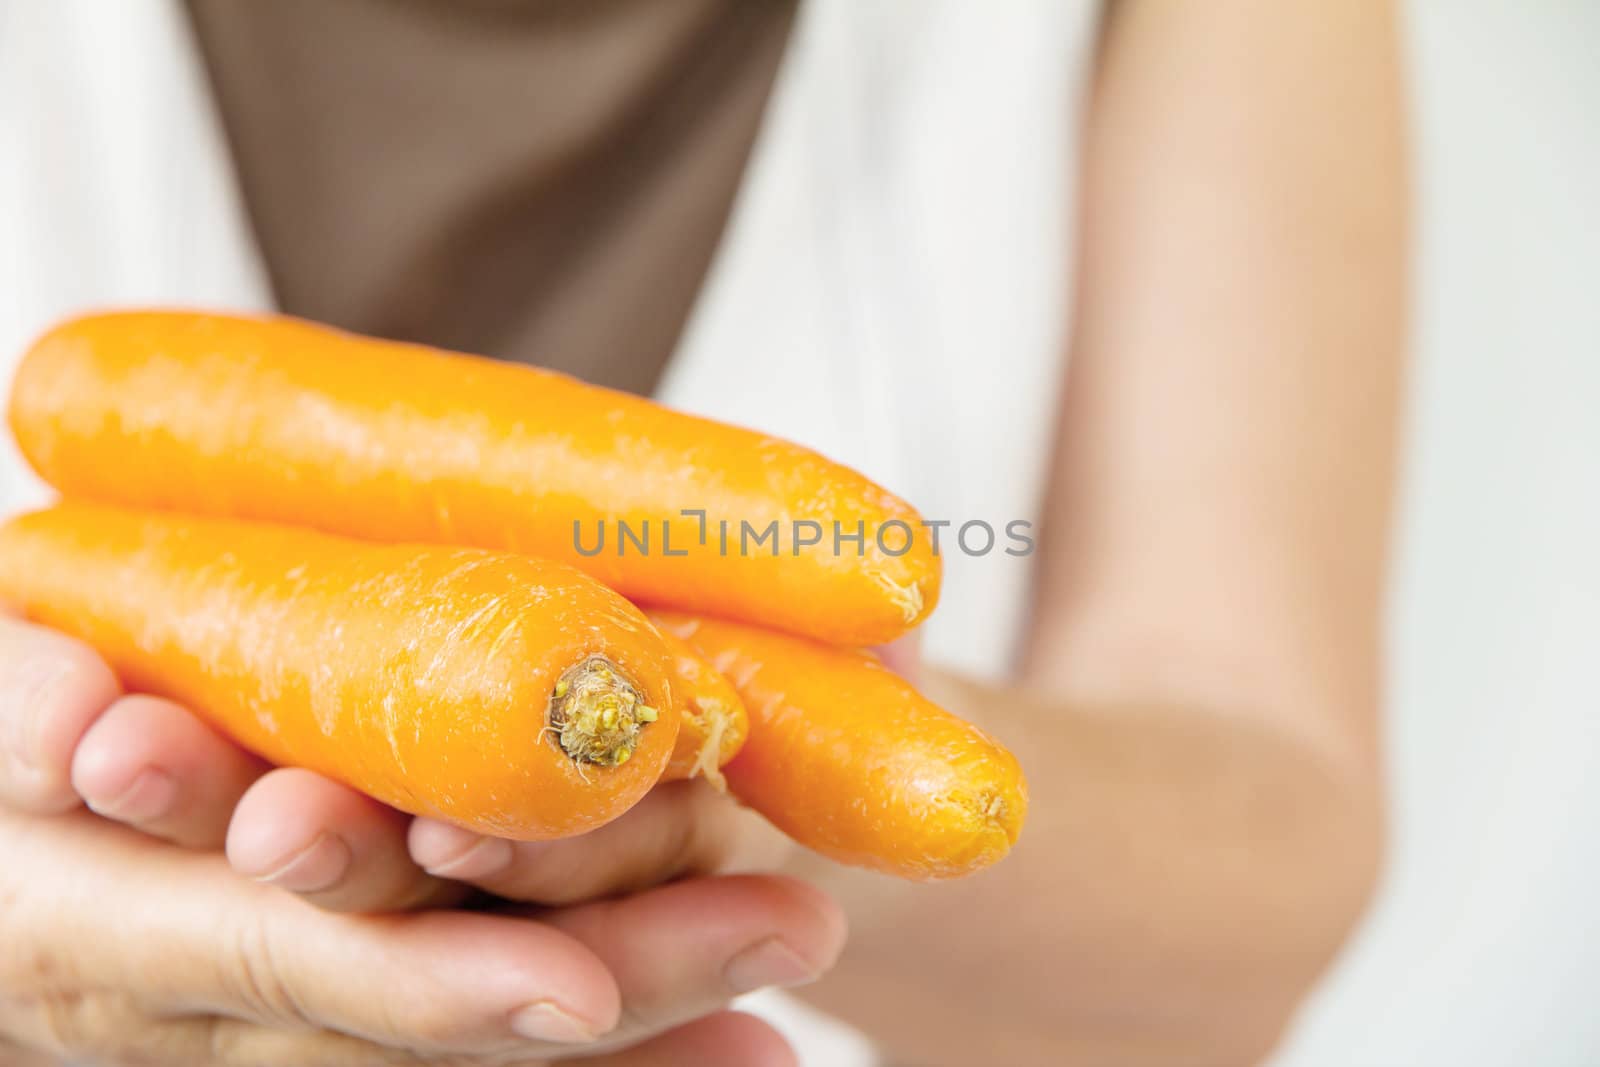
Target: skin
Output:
[
  {"x": 223, "y": 969},
  {"x": 1198, "y": 705}
]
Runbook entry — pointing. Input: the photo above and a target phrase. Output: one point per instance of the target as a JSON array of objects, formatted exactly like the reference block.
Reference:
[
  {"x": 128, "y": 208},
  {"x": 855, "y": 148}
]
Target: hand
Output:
[
  {"x": 123, "y": 949},
  {"x": 66, "y": 732},
  {"x": 109, "y": 986}
]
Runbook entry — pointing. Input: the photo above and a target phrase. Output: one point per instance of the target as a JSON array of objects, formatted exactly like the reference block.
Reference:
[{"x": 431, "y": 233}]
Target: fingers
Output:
[
  {"x": 183, "y": 934},
  {"x": 726, "y": 1039},
  {"x": 685, "y": 949},
  {"x": 151, "y": 764},
  {"x": 51, "y": 689},
  {"x": 65, "y": 732},
  {"x": 435, "y": 981},
  {"x": 115, "y": 1033},
  {"x": 679, "y": 828},
  {"x": 601, "y": 976},
  {"x": 338, "y": 848}
]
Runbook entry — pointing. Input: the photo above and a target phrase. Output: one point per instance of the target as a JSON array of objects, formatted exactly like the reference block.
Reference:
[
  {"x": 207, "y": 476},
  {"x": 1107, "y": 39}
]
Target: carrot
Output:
[
  {"x": 849, "y": 760},
  {"x": 506, "y": 694},
  {"x": 715, "y": 723},
  {"x": 281, "y": 420}
]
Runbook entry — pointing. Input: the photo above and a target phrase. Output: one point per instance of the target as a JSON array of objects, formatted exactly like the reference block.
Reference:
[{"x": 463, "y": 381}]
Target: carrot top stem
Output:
[{"x": 597, "y": 713}]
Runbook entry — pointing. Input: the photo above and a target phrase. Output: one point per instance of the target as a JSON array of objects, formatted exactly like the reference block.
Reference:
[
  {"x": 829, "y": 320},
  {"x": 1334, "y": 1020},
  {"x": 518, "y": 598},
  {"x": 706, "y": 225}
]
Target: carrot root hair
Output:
[
  {"x": 596, "y": 713},
  {"x": 713, "y": 719},
  {"x": 908, "y": 598}
]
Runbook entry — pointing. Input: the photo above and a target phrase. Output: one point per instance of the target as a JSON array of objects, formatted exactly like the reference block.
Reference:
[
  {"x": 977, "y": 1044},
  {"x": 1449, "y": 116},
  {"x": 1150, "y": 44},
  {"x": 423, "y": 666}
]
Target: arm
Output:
[{"x": 1199, "y": 720}]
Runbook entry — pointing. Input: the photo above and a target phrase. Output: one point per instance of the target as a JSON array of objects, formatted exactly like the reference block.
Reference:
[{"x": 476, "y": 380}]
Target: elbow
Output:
[
  {"x": 1316, "y": 844},
  {"x": 1280, "y": 836},
  {"x": 1322, "y": 866},
  {"x": 1261, "y": 780},
  {"x": 1352, "y": 838}
]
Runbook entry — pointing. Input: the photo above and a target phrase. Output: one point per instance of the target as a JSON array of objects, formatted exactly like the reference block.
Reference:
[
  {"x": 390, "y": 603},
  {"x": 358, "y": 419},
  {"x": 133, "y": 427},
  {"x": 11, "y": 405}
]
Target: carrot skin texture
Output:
[
  {"x": 281, "y": 420},
  {"x": 849, "y": 760},
  {"x": 421, "y": 675},
  {"x": 714, "y": 721}
]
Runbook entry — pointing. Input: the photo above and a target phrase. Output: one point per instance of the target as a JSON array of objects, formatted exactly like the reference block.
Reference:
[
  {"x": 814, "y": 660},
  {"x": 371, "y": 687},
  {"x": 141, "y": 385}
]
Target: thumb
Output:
[
  {"x": 52, "y": 689},
  {"x": 188, "y": 935}
]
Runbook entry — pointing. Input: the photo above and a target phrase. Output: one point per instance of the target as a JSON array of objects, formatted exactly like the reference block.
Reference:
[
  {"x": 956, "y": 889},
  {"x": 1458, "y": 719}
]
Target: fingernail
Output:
[
  {"x": 151, "y": 795},
  {"x": 462, "y": 854},
  {"x": 767, "y": 963},
  {"x": 544, "y": 1021},
  {"x": 318, "y": 866}
]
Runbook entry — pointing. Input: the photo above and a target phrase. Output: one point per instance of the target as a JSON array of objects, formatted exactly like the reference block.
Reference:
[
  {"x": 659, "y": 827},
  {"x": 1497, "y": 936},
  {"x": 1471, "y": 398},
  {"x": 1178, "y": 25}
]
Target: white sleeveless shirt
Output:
[
  {"x": 891, "y": 291},
  {"x": 892, "y": 287}
]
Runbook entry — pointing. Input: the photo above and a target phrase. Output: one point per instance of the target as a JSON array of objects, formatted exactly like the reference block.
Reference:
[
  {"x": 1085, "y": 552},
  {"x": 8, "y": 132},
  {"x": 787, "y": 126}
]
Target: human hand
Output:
[
  {"x": 669, "y": 955},
  {"x": 123, "y": 949},
  {"x": 152, "y": 765}
]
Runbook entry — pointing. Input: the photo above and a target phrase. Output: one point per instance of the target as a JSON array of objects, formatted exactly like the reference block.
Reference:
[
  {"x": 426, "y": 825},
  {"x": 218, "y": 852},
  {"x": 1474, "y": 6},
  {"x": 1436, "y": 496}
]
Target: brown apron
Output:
[{"x": 538, "y": 180}]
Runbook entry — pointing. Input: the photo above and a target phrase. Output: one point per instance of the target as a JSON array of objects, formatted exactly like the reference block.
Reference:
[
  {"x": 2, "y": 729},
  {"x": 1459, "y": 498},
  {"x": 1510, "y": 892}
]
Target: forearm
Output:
[
  {"x": 1185, "y": 874},
  {"x": 1205, "y": 819}
]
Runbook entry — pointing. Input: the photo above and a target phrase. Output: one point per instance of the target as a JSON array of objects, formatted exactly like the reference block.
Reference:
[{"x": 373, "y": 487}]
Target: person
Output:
[{"x": 1188, "y": 665}]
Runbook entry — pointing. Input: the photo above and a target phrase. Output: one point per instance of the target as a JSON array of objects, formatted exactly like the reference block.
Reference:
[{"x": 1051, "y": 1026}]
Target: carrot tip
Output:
[
  {"x": 596, "y": 713},
  {"x": 908, "y": 598},
  {"x": 994, "y": 811}
]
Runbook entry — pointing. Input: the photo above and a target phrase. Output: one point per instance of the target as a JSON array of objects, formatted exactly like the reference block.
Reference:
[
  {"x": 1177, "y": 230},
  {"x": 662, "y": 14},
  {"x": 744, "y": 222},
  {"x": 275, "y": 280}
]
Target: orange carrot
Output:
[
  {"x": 715, "y": 723},
  {"x": 506, "y": 694},
  {"x": 281, "y": 420},
  {"x": 848, "y": 759}
]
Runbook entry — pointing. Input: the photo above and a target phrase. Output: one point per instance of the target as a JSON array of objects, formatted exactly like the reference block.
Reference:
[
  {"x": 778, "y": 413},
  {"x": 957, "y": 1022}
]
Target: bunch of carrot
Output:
[{"x": 369, "y": 559}]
